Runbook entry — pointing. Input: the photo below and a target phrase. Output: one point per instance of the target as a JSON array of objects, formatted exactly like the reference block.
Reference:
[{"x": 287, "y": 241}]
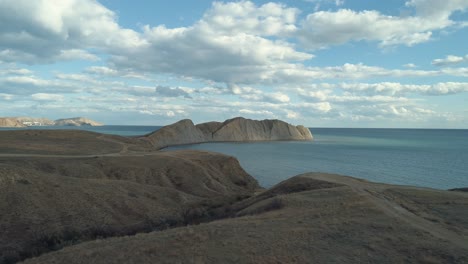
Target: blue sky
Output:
[{"x": 321, "y": 63}]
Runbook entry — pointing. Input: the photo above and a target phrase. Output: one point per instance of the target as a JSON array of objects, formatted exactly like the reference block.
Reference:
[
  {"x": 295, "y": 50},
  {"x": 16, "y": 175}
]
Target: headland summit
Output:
[{"x": 73, "y": 196}]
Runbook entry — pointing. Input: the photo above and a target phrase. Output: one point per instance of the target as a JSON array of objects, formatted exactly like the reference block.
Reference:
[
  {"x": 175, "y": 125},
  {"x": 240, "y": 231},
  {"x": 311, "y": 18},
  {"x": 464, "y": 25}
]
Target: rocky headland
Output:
[
  {"x": 232, "y": 130},
  {"x": 70, "y": 196},
  {"x": 76, "y": 121}
]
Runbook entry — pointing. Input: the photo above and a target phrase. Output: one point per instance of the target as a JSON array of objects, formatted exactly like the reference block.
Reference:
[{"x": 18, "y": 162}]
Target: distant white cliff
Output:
[
  {"x": 32, "y": 121},
  {"x": 76, "y": 121}
]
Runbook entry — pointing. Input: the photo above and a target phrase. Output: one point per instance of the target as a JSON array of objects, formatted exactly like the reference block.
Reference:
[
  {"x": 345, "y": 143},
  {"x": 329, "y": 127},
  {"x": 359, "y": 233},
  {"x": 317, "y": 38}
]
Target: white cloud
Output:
[
  {"x": 393, "y": 89},
  {"x": 75, "y": 54},
  {"x": 450, "y": 60},
  {"x": 241, "y": 51},
  {"x": 410, "y": 65},
  {"x": 256, "y": 112},
  {"x": 166, "y": 91},
  {"x": 292, "y": 114},
  {"x": 253, "y": 94},
  {"x": 324, "y": 28},
  {"x": 323, "y": 107},
  {"x": 209, "y": 54},
  {"x": 437, "y": 10},
  {"x": 244, "y": 17},
  {"x": 276, "y": 97},
  {"x": 102, "y": 70},
  {"x": 47, "y": 97},
  {"x": 44, "y": 31},
  {"x": 6, "y": 97},
  {"x": 15, "y": 71}
]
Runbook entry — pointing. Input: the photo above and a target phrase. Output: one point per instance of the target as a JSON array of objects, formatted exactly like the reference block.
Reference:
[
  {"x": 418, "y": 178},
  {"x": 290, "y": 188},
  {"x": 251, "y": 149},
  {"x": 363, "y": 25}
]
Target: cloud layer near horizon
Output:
[{"x": 239, "y": 58}]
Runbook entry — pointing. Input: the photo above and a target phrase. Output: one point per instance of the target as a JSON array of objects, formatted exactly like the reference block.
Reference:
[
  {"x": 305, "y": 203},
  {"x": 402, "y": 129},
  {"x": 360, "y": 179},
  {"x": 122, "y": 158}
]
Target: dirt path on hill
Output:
[
  {"x": 374, "y": 193},
  {"x": 123, "y": 144}
]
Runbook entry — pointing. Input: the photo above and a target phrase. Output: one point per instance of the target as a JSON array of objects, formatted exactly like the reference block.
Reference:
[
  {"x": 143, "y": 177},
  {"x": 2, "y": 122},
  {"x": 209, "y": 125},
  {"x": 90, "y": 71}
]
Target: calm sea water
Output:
[
  {"x": 429, "y": 158},
  {"x": 420, "y": 157}
]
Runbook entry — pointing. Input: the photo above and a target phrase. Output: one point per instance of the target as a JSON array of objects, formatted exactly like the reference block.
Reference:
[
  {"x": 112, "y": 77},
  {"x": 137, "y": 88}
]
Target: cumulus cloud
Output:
[
  {"x": 324, "y": 28},
  {"x": 102, "y": 70},
  {"x": 252, "y": 54},
  {"x": 43, "y": 31},
  {"x": 253, "y": 94},
  {"x": 392, "y": 88},
  {"x": 450, "y": 60},
  {"x": 244, "y": 17},
  {"x": 234, "y": 42},
  {"x": 207, "y": 54},
  {"x": 261, "y": 113},
  {"x": 166, "y": 91}
]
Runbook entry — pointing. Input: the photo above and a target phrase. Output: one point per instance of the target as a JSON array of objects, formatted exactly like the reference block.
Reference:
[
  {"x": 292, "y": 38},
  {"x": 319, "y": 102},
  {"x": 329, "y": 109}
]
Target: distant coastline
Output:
[{"x": 39, "y": 122}]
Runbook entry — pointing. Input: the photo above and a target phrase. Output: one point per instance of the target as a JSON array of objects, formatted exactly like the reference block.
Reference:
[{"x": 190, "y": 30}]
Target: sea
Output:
[{"x": 433, "y": 158}]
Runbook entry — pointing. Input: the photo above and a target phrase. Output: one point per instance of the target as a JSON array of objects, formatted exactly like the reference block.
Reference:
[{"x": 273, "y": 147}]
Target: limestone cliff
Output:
[
  {"x": 236, "y": 129},
  {"x": 76, "y": 121},
  {"x": 10, "y": 122}
]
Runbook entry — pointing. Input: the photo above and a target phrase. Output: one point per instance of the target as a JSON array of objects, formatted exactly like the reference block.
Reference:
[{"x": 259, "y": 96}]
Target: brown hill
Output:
[
  {"x": 312, "y": 218},
  {"x": 49, "y": 202},
  {"x": 66, "y": 142},
  {"x": 236, "y": 129}
]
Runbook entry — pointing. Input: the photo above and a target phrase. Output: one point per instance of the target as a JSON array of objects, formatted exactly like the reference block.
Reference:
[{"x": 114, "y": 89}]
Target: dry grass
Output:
[
  {"x": 320, "y": 225},
  {"x": 192, "y": 206},
  {"x": 49, "y": 203}
]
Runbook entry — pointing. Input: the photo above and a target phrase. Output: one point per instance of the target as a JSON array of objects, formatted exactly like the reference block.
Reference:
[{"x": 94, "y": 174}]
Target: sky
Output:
[{"x": 320, "y": 63}]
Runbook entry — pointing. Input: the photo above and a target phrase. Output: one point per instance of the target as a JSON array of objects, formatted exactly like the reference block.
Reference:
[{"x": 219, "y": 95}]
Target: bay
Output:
[
  {"x": 419, "y": 157},
  {"x": 434, "y": 158}
]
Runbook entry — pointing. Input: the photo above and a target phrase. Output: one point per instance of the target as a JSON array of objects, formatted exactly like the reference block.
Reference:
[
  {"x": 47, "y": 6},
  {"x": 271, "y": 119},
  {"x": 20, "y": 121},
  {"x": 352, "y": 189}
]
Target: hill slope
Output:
[
  {"x": 312, "y": 218},
  {"x": 66, "y": 142},
  {"x": 48, "y": 202}
]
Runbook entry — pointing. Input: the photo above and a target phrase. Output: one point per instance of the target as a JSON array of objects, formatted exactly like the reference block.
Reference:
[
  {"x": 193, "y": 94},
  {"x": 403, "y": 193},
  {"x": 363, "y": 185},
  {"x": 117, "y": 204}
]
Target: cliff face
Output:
[
  {"x": 76, "y": 121},
  {"x": 10, "y": 122},
  {"x": 236, "y": 129}
]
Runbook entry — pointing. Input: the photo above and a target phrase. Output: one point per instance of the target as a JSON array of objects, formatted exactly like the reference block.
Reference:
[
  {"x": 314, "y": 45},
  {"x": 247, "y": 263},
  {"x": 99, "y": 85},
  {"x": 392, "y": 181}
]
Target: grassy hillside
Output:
[
  {"x": 50, "y": 202},
  {"x": 313, "y": 218}
]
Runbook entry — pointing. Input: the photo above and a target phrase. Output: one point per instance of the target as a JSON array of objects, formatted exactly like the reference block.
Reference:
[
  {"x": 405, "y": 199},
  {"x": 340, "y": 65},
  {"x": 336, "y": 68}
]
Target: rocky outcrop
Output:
[
  {"x": 76, "y": 121},
  {"x": 10, "y": 122},
  {"x": 237, "y": 129}
]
